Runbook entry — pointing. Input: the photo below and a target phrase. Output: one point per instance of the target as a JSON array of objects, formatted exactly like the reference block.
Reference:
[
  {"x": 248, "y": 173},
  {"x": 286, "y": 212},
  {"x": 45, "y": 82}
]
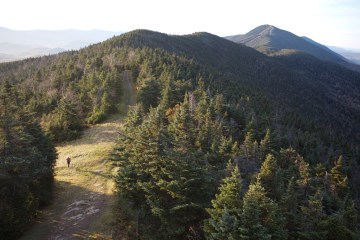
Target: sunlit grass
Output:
[{"x": 91, "y": 172}]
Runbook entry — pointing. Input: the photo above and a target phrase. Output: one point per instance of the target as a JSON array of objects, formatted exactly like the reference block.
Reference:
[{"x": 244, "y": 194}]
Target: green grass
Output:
[{"x": 90, "y": 174}]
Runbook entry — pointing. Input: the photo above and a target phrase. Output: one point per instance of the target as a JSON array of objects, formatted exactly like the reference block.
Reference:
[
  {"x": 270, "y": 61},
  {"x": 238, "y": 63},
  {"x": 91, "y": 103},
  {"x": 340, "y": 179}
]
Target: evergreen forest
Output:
[{"x": 220, "y": 142}]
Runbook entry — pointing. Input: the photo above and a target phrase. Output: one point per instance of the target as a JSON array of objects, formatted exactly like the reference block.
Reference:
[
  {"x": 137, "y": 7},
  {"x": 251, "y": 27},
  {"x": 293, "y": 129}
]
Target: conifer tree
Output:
[
  {"x": 248, "y": 143},
  {"x": 27, "y": 160},
  {"x": 350, "y": 216},
  {"x": 167, "y": 96},
  {"x": 289, "y": 207},
  {"x": 180, "y": 196},
  {"x": 266, "y": 144},
  {"x": 226, "y": 227},
  {"x": 249, "y": 148},
  {"x": 135, "y": 117},
  {"x": 148, "y": 92},
  {"x": 313, "y": 216},
  {"x": 182, "y": 127},
  {"x": 63, "y": 123},
  {"x": 338, "y": 180},
  {"x": 226, "y": 209},
  {"x": 294, "y": 166},
  {"x": 270, "y": 177},
  {"x": 261, "y": 218}
]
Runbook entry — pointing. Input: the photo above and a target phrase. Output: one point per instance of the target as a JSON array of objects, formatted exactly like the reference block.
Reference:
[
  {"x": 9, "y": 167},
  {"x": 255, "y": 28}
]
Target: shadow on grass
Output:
[
  {"x": 76, "y": 213},
  {"x": 101, "y": 173}
]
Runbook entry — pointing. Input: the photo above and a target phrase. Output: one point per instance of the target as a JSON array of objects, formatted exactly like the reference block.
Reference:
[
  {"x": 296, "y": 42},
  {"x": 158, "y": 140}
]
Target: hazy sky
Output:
[{"x": 330, "y": 22}]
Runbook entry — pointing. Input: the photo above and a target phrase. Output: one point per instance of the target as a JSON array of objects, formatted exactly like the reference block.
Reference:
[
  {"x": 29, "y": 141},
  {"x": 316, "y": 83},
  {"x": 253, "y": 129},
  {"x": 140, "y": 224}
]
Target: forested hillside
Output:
[
  {"x": 224, "y": 142},
  {"x": 27, "y": 159}
]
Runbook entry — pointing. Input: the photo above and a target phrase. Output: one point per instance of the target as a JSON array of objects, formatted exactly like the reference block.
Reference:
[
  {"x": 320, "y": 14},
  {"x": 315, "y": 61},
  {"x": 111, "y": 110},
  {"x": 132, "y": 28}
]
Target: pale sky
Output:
[{"x": 329, "y": 22}]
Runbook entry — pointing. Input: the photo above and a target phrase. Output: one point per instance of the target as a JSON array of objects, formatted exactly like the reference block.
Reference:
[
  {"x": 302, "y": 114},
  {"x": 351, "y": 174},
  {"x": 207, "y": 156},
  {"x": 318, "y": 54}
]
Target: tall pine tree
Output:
[{"x": 225, "y": 213}]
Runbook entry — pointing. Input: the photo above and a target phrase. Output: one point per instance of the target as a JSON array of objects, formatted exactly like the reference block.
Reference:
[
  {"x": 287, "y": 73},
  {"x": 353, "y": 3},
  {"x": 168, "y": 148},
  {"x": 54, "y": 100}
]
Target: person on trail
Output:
[{"x": 68, "y": 160}]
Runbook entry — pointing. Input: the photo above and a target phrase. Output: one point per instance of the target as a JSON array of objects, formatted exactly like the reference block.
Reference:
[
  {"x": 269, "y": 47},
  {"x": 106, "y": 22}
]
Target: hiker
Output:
[{"x": 68, "y": 160}]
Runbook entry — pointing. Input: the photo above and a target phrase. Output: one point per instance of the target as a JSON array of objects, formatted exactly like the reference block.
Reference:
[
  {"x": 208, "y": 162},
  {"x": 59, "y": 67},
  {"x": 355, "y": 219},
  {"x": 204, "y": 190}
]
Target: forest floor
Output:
[{"x": 84, "y": 200}]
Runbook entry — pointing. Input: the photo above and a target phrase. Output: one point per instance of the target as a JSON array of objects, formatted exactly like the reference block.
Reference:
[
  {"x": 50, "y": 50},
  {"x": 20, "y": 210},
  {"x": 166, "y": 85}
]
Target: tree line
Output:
[{"x": 27, "y": 160}]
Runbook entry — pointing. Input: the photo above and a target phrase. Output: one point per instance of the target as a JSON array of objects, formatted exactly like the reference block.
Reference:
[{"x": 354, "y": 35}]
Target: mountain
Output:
[
  {"x": 291, "y": 121},
  {"x": 251, "y": 69},
  {"x": 271, "y": 40},
  {"x": 32, "y": 43},
  {"x": 324, "y": 92}
]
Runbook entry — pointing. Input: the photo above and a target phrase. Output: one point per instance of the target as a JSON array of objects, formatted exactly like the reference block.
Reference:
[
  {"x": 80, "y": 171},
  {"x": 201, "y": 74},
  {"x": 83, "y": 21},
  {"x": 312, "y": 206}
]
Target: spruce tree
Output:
[
  {"x": 289, "y": 207},
  {"x": 338, "y": 180},
  {"x": 27, "y": 160},
  {"x": 225, "y": 227},
  {"x": 225, "y": 213},
  {"x": 182, "y": 127},
  {"x": 312, "y": 217},
  {"x": 270, "y": 177},
  {"x": 266, "y": 145},
  {"x": 261, "y": 217},
  {"x": 63, "y": 123}
]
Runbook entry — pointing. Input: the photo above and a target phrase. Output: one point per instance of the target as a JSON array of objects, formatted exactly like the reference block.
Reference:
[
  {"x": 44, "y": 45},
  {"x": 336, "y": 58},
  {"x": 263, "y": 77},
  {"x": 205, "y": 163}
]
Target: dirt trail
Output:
[
  {"x": 129, "y": 93},
  {"x": 83, "y": 195}
]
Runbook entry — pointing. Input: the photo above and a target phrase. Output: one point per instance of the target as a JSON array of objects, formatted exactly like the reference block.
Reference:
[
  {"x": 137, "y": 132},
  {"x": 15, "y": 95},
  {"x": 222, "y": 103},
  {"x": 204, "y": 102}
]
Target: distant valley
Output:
[
  {"x": 15, "y": 45},
  {"x": 351, "y": 54}
]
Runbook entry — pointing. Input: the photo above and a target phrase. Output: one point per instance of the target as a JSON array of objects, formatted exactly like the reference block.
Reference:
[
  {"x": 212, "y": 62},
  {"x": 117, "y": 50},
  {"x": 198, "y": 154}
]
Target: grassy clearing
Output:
[{"x": 90, "y": 178}]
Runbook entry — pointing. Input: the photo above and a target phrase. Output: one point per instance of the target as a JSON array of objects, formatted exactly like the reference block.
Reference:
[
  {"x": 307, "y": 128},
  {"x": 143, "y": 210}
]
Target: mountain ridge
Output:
[
  {"x": 200, "y": 99},
  {"x": 248, "y": 67},
  {"x": 269, "y": 39}
]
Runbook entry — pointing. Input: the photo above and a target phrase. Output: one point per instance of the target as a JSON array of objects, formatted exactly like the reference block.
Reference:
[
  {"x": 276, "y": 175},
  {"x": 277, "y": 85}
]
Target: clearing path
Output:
[
  {"x": 129, "y": 94},
  {"x": 83, "y": 196}
]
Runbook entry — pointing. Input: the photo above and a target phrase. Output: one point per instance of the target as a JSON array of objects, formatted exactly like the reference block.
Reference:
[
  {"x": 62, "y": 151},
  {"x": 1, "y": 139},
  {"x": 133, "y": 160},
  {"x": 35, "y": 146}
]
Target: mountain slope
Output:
[
  {"x": 270, "y": 39},
  {"x": 307, "y": 104},
  {"x": 326, "y": 94},
  {"x": 274, "y": 77}
]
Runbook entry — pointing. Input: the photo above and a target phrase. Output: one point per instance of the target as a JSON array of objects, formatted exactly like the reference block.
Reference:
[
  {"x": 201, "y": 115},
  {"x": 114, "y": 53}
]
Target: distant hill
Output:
[
  {"x": 351, "y": 54},
  {"x": 11, "y": 52},
  {"x": 23, "y": 44},
  {"x": 272, "y": 41}
]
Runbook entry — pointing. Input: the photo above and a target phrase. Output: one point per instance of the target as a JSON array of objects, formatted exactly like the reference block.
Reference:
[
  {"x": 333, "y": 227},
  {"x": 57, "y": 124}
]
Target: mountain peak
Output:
[
  {"x": 272, "y": 40},
  {"x": 262, "y": 29}
]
